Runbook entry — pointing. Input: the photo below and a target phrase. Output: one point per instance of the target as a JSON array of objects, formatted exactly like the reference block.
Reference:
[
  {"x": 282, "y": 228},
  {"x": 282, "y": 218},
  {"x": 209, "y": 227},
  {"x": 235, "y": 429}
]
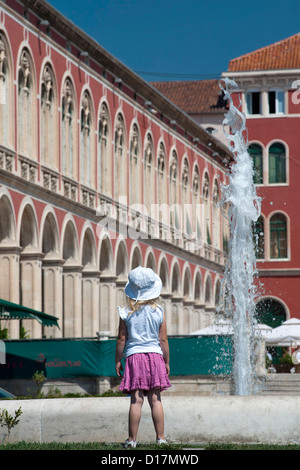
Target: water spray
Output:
[{"x": 244, "y": 209}]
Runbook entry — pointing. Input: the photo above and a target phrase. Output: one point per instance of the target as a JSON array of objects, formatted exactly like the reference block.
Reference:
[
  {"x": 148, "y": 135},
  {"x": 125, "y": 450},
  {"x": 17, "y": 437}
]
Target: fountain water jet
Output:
[{"x": 244, "y": 210}]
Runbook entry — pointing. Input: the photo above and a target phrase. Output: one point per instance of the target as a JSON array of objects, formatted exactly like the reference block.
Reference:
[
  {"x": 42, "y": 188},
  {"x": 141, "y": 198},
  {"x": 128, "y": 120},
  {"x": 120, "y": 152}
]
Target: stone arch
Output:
[
  {"x": 121, "y": 260},
  {"x": 218, "y": 292},
  {"x": 187, "y": 284},
  {"x": 49, "y": 236},
  {"x": 163, "y": 272},
  {"x": 198, "y": 287},
  {"x": 121, "y": 270},
  {"x": 88, "y": 250},
  {"x": 150, "y": 260},
  {"x": 106, "y": 256},
  {"x": 136, "y": 257},
  {"x": 7, "y": 221},
  {"x": 208, "y": 291},
  {"x": 175, "y": 279},
  {"x": 28, "y": 227},
  {"x": 70, "y": 244}
]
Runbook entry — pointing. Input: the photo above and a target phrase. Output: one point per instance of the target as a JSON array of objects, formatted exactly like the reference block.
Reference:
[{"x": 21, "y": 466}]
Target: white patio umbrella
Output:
[
  {"x": 287, "y": 334},
  {"x": 219, "y": 328},
  {"x": 224, "y": 327}
]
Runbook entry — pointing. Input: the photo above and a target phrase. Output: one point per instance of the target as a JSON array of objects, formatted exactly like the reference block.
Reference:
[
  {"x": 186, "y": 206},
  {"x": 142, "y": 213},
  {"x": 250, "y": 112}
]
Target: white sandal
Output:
[
  {"x": 128, "y": 443},
  {"x": 161, "y": 441}
]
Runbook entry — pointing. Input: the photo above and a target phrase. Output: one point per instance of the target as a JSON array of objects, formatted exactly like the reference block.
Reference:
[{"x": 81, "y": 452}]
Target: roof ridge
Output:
[{"x": 183, "y": 82}]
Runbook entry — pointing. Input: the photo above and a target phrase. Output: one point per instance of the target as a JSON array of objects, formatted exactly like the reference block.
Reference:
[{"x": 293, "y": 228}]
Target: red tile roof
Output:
[
  {"x": 193, "y": 97},
  {"x": 281, "y": 55}
]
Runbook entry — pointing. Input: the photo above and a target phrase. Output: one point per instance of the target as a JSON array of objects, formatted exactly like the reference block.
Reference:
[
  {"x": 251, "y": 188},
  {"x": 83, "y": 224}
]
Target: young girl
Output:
[{"x": 143, "y": 335}]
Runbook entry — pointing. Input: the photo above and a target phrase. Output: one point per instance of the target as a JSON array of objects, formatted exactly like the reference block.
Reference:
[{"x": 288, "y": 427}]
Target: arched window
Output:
[
  {"x": 255, "y": 152},
  {"x": 196, "y": 219},
  {"x": 270, "y": 312},
  {"x": 259, "y": 238},
  {"x": 104, "y": 160},
  {"x": 120, "y": 183},
  {"x": 86, "y": 141},
  {"x": 277, "y": 163},
  {"x": 135, "y": 166},
  {"x": 26, "y": 110},
  {"x": 206, "y": 202},
  {"x": 185, "y": 197},
  {"x": 174, "y": 198},
  {"x": 149, "y": 173},
  {"x": 216, "y": 216},
  {"x": 208, "y": 291},
  {"x": 48, "y": 118},
  {"x": 6, "y": 90},
  {"x": 278, "y": 236},
  {"x": 161, "y": 182},
  {"x": 68, "y": 130}
]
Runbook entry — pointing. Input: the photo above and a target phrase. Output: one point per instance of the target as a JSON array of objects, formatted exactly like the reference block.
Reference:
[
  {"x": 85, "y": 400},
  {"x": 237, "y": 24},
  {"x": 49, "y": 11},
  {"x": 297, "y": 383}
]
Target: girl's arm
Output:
[
  {"x": 121, "y": 341},
  {"x": 164, "y": 344}
]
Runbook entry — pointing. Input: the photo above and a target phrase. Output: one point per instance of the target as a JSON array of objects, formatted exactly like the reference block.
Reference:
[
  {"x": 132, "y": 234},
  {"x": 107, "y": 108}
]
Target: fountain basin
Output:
[{"x": 230, "y": 419}]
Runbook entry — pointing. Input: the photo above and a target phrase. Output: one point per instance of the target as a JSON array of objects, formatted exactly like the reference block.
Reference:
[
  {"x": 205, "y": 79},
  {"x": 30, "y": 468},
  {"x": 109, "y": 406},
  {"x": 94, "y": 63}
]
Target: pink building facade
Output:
[{"x": 99, "y": 173}]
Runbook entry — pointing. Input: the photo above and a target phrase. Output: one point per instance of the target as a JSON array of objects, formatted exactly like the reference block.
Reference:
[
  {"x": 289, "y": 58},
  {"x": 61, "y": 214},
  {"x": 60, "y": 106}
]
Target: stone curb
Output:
[{"x": 188, "y": 420}]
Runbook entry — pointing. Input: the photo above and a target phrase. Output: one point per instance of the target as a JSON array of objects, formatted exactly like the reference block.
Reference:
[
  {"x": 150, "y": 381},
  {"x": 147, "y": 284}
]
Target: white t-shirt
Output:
[{"x": 142, "y": 329}]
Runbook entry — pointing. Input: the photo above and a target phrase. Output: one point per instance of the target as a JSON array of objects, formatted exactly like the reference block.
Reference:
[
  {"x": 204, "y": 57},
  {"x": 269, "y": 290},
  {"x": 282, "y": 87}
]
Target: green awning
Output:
[{"x": 11, "y": 311}]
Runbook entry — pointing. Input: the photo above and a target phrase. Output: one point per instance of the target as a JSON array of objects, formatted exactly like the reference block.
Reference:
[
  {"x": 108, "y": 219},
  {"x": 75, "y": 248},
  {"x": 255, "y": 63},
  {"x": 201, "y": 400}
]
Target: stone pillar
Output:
[
  {"x": 31, "y": 289},
  {"x": 177, "y": 306},
  {"x": 9, "y": 285},
  {"x": 72, "y": 292},
  {"x": 188, "y": 317},
  {"x": 53, "y": 294},
  {"x": 198, "y": 316},
  {"x": 90, "y": 303},
  {"x": 108, "y": 316},
  {"x": 167, "y": 307}
]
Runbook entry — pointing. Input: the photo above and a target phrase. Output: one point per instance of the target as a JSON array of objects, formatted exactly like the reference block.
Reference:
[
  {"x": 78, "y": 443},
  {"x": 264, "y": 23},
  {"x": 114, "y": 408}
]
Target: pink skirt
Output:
[{"x": 144, "y": 371}]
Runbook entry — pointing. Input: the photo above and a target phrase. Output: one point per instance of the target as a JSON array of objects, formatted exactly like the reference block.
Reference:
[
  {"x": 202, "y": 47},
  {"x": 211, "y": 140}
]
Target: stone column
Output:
[
  {"x": 53, "y": 294},
  {"x": 167, "y": 306},
  {"x": 108, "y": 316},
  {"x": 188, "y": 317},
  {"x": 198, "y": 316},
  {"x": 9, "y": 284},
  {"x": 90, "y": 303},
  {"x": 31, "y": 289},
  {"x": 72, "y": 292}
]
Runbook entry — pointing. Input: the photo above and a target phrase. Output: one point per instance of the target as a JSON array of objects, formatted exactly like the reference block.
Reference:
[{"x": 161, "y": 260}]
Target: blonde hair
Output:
[{"x": 134, "y": 306}]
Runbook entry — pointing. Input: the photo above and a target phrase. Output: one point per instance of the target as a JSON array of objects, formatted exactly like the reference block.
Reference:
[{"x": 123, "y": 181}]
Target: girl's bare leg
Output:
[
  {"x": 135, "y": 412},
  {"x": 157, "y": 412}
]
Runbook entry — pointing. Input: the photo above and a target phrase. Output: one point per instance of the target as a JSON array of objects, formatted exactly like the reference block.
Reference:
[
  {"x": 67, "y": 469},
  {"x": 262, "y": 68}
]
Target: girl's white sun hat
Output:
[{"x": 143, "y": 284}]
